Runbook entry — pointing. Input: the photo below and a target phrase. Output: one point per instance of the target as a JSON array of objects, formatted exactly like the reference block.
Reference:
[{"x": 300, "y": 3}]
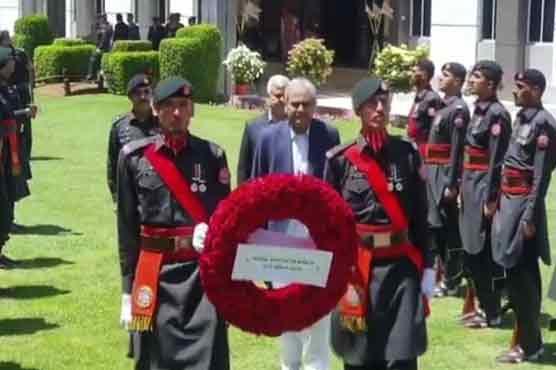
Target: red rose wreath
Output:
[{"x": 296, "y": 306}]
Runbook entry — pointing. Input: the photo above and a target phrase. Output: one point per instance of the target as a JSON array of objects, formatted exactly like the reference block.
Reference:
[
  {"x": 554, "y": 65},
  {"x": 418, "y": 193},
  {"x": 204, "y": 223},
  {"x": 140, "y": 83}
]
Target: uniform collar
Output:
[
  {"x": 364, "y": 146},
  {"x": 527, "y": 114},
  {"x": 421, "y": 94},
  {"x": 161, "y": 144},
  {"x": 482, "y": 106},
  {"x": 451, "y": 99}
]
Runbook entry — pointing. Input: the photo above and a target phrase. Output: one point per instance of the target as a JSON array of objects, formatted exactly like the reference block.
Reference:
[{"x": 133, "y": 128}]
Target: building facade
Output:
[{"x": 516, "y": 33}]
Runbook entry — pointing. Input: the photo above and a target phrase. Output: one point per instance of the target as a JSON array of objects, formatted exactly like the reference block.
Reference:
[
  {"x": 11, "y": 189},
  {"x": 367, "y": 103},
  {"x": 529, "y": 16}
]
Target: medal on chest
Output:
[
  {"x": 395, "y": 180},
  {"x": 199, "y": 183},
  {"x": 523, "y": 133}
]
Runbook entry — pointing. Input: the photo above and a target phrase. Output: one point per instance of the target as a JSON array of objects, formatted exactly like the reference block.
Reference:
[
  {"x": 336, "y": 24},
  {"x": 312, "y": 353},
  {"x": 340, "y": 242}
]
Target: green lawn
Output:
[{"x": 60, "y": 310}]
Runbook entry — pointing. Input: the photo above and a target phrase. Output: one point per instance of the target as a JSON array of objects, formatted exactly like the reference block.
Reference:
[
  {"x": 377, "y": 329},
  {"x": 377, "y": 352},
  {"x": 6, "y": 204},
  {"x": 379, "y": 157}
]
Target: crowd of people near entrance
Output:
[{"x": 462, "y": 197}]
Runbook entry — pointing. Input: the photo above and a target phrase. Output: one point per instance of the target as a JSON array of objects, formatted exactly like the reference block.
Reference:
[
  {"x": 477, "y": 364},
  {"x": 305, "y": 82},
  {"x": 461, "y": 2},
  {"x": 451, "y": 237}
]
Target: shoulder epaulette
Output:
[
  {"x": 137, "y": 144},
  {"x": 216, "y": 149},
  {"x": 406, "y": 140},
  {"x": 339, "y": 149},
  {"x": 118, "y": 119}
]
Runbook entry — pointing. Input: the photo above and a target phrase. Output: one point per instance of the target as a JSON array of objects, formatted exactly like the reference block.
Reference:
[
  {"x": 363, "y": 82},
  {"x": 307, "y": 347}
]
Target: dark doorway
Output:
[
  {"x": 340, "y": 29},
  {"x": 56, "y": 11},
  {"x": 99, "y": 6}
]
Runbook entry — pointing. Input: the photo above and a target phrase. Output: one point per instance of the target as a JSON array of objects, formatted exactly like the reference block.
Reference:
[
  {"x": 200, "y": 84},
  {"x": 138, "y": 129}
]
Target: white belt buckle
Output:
[
  {"x": 182, "y": 242},
  {"x": 381, "y": 240}
]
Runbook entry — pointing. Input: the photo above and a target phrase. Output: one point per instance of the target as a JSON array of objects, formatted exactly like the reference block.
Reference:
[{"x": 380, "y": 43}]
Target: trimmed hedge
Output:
[
  {"x": 51, "y": 60},
  {"x": 132, "y": 45},
  {"x": 120, "y": 67},
  {"x": 32, "y": 31},
  {"x": 70, "y": 42},
  {"x": 194, "y": 54}
]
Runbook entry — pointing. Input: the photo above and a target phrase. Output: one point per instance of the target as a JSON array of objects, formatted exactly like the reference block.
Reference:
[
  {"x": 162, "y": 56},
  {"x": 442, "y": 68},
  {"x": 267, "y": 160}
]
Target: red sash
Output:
[
  {"x": 355, "y": 303},
  {"x": 145, "y": 285},
  {"x": 13, "y": 143}
]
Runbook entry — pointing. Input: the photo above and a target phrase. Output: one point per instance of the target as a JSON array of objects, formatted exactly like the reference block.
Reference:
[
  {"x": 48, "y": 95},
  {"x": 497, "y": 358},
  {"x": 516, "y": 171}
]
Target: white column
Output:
[
  {"x": 26, "y": 7},
  {"x": 146, "y": 10},
  {"x": 80, "y": 18}
]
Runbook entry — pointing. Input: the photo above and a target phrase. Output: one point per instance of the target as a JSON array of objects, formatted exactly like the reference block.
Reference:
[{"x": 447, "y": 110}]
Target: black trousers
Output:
[
  {"x": 524, "y": 292},
  {"x": 94, "y": 64},
  {"x": 383, "y": 365},
  {"x": 487, "y": 278}
]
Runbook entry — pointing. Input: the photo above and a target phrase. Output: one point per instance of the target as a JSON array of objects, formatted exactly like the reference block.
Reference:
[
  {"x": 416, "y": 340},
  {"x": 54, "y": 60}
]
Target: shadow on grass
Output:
[
  {"x": 13, "y": 366},
  {"x": 24, "y": 326},
  {"x": 31, "y": 292},
  {"x": 46, "y": 230},
  {"x": 41, "y": 262},
  {"x": 46, "y": 158}
]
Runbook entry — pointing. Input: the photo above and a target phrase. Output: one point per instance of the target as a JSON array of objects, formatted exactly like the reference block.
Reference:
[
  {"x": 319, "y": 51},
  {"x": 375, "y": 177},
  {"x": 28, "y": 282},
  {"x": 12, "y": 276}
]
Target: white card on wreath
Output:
[{"x": 282, "y": 264}]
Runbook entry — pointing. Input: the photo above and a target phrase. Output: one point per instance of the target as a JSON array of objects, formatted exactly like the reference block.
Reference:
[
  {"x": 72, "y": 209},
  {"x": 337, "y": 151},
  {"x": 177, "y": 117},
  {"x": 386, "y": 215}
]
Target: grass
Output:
[{"x": 60, "y": 310}]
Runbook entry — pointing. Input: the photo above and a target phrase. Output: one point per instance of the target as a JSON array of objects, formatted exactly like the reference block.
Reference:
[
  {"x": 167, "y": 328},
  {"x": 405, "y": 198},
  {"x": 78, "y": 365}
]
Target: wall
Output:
[{"x": 9, "y": 12}]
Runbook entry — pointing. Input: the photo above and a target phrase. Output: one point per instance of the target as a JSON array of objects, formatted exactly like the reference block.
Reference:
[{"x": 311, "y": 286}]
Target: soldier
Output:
[
  {"x": 137, "y": 124},
  {"x": 8, "y": 155},
  {"x": 425, "y": 104},
  {"x": 444, "y": 157},
  {"x": 519, "y": 231},
  {"x": 133, "y": 32},
  {"x": 276, "y": 87},
  {"x": 157, "y": 32},
  {"x": 21, "y": 81},
  {"x": 121, "y": 30},
  {"x": 380, "y": 322},
  {"x": 104, "y": 43},
  {"x": 167, "y": 185},
  {"x": 486, "y": 141},
  {"x": 173, "y": 25},
  {"x": 10, "y": 98}
]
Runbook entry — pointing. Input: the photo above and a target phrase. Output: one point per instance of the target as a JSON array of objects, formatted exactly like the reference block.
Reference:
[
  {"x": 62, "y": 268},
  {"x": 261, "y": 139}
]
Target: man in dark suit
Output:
[
  {"x": 298, "y": 145},
  {"x": 275, "y": 88}
]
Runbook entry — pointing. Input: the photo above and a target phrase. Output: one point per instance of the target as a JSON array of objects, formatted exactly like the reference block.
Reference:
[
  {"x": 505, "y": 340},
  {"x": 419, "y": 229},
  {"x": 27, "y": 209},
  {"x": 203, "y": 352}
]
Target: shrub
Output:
[
  {"x": 194, "y": 54},
  {"x": 70, "y": 42},
  {"x": 120, "y": 67},
  {"x": 51, "y": 60},
  {"x": 132, "y": 45},
  {"x": 32, "y": 31},
  {"x": 310, "y": 59},
  {"x": 394, "y": 63},
  {"x": 244, "y": 65}
]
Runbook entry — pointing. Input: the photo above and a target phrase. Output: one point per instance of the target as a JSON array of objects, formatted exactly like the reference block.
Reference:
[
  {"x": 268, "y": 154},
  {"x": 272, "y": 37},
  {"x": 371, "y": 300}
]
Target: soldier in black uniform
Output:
[
  {"x": 21, "y": 82},
  {"x": 443, "y": 157},
  {"x": 167, "y": 184},
  {"x": 390, "y": 330},
  {"x": 10, "y": 98},
  {"x": 486, "y": 141},
  {"x": 8, "y": 130},
  {"x": 137, "y": 124},
  {"x": 157, "y": 33},
  {"x": 519, "y": 231},
  {"x": 425, "y": 104},
  {"x": 104, "y": 43}
]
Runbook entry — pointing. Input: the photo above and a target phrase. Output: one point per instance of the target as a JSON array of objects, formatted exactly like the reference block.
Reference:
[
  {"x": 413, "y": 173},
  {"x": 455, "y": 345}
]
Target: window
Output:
[
  {"x": 421, "y": 18},
  {"x": 541, "y": 20},
  {"x": 488, "y": 24}
]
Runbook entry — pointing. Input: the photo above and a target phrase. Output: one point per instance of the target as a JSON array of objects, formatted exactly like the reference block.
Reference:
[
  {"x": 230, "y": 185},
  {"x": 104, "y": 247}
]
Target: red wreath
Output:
[{"x": 271, "y": 312}]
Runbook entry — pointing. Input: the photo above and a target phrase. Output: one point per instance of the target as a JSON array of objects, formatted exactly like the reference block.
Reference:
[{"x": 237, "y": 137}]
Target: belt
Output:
[
  {"x": 438, "y": 154},
  {"x": 175, "y": 243},
  {"x": 516, "y": 181},
  {"x": 475, "y": 159},
  {"x": 373, "y": 236}
]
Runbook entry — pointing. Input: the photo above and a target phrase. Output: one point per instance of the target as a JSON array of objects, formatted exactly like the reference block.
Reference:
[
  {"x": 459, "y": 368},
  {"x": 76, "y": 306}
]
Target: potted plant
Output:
[
  {"x": 393, "y": 65},
  {"x": 310, "y": 59},
  {"x": 245, "y": 67}
]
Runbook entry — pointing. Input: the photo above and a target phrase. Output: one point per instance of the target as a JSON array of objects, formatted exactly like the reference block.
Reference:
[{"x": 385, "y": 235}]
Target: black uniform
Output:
[
  {"x": 104, "y": 43},
  {"x": 488, "y": 132},
  {"x": 125, "y": 129},
  {"x": 421, "y": 116},
  {"x": 444, "y": 158},
  {"x": 133, "y": 32},
  {"x": 532, "y": 154},
  {"x": 21, "y": 79},
  {"x": 172, "y": 29},
  {"x": 121, "y": 31},
  {"x": 396, "y": 318},
  {"x": 188, "y": 334},
  {"x": 12, "y": 96},
  {"x": 6, "y": 179},
  {"x": 155, "y": 35}
]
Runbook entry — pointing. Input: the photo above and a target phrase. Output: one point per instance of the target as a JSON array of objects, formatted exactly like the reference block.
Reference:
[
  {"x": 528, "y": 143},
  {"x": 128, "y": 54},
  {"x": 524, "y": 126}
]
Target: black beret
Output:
[
  {"x": 490, "y": 69},
  {"x": 532, "y": 77},
  {"x": 172, "y": 87},
  {"x": 365, "y": 89},
  {"x": 139, "y": 80},
  {"x": 457, "y": 69},
  {"x": 5, "y": 55}
]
